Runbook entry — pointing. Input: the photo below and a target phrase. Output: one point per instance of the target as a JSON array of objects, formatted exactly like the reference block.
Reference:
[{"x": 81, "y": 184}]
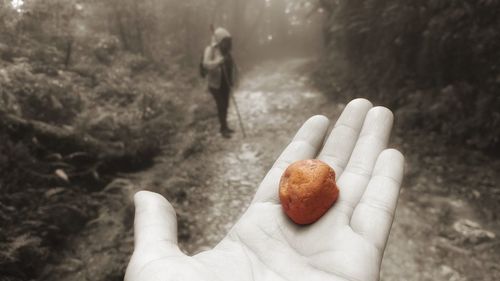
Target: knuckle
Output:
[{"x": 379, "y": 206}]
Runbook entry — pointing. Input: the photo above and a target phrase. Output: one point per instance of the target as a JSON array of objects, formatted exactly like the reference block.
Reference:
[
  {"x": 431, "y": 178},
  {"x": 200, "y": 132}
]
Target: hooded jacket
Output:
[{"x": 212, "y": 59}]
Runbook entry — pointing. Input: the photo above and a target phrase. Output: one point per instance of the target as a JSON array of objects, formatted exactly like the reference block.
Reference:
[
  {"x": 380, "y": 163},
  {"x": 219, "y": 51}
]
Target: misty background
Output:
[{"x": 100, "y": 99}]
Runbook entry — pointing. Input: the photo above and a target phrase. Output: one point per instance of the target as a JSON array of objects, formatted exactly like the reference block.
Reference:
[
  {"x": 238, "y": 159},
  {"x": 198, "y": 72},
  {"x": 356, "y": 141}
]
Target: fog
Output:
[{"x": 148, "y": 140}]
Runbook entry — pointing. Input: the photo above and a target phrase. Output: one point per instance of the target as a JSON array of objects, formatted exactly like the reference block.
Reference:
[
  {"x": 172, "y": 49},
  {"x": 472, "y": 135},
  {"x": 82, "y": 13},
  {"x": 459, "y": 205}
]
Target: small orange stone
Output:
[{"x": 307, "y": 190}]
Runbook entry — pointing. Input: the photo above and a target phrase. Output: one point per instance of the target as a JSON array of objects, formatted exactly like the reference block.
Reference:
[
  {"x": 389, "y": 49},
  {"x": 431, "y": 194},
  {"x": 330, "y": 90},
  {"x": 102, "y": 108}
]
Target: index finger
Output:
[
  {"x": 340, "y": 144},
  {"x": 304, "y": 145}
]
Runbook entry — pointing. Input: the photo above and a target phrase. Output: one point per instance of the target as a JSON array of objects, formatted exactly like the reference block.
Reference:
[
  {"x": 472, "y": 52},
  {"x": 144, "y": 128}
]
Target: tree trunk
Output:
[{"x": 60, "y": 139}]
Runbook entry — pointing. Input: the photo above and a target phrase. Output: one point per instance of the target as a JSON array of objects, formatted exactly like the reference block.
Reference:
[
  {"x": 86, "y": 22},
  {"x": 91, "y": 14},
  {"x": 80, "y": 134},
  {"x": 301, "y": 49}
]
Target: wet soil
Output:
[{"x": 443, "y": 229}]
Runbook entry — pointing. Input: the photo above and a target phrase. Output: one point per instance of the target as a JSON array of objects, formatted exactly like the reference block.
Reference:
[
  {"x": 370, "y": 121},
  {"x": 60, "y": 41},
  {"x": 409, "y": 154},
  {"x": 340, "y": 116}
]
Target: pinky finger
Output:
[{"x": 373, "y": 216}]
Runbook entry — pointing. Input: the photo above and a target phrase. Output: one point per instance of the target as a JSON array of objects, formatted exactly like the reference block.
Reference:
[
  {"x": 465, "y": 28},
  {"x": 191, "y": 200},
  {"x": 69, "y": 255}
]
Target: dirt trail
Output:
[
  {"x": 214, "y": 186},
  {"x": 211, "y": 180}
]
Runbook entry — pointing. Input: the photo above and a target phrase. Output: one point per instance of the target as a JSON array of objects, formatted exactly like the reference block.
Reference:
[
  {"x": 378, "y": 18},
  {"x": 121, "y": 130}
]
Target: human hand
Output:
[
  {"x": 219, "y": 60},
  {"x": 347, "y": 243}
]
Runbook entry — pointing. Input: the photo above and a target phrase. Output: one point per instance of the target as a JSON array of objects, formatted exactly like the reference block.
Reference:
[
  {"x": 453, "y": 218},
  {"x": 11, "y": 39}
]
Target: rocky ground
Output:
[{"x": 446, "y": 226}]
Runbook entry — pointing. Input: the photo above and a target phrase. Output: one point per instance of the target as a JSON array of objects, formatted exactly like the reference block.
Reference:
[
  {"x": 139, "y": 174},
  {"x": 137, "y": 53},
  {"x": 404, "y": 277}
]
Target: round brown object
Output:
[{"x": 307, "y": 190}]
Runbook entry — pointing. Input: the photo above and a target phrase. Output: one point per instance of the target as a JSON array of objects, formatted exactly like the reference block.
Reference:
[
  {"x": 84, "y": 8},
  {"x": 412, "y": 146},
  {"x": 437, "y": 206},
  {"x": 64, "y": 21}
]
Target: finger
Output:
[
  {"x": 352, "y": 183},
  {"x": 155, "y": 222},
  {"x": 374, "y": 214},
  {"x": 339, "y": 145},
  {"x": 304, "y": 145}
]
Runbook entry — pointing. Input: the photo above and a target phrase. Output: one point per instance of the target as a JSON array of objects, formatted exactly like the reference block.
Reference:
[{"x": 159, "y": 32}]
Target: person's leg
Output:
[
  {"x": 218, "y": 96},
  {"x": 224, "y": 104}
]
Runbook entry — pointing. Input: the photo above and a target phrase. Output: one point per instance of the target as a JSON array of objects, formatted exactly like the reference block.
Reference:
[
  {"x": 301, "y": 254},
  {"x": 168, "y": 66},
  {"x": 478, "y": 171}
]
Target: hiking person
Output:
[
  {"x": 221, "y": 74},
  {"x": 347, "y": 243}
]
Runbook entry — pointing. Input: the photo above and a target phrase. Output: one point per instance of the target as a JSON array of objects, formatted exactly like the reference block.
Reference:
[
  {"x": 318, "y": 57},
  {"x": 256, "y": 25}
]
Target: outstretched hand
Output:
[{"x": 347, "y": 243}]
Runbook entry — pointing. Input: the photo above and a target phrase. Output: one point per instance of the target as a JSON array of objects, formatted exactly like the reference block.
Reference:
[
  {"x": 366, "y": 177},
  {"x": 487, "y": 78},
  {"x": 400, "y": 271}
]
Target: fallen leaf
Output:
[{"x": 62, "y": 175}]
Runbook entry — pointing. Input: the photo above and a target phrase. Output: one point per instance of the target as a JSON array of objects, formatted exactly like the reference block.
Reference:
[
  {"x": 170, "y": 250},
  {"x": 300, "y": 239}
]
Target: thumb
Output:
[{"x": 155, "y": 223}]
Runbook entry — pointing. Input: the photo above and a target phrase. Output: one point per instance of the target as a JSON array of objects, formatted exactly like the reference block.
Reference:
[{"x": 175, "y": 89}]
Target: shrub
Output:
[{"x": 448, "y": 50}]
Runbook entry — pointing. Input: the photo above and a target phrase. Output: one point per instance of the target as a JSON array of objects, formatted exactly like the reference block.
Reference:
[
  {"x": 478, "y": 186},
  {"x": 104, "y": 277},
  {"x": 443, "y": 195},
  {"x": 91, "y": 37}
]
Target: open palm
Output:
[{"x": 347, "y": 243}]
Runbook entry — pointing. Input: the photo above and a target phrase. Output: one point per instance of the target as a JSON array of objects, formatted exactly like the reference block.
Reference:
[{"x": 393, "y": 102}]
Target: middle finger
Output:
[{"x": 372, "y": 140}]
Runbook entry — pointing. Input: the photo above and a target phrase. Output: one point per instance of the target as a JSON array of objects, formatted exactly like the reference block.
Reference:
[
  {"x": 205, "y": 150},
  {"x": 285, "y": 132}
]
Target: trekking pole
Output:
[{"x": 238, "y": 113}]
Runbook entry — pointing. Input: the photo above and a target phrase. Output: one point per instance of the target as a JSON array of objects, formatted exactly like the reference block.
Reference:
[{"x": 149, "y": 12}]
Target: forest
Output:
[
  {"x": 95, "y": 94},
  {"x": 436, "y": 58}
]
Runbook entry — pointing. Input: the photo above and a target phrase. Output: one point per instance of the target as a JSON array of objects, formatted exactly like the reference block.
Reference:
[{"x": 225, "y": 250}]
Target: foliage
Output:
[
  {"x": 54, "y": 70},
  {"x": 438, "y": 57},
  {"x": 115, "y": 73},
  {"x": 36, "y": 96}
]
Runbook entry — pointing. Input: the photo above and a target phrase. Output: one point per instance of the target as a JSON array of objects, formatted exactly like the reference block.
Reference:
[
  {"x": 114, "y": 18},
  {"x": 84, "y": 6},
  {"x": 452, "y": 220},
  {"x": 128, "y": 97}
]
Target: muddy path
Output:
[
  {"x": 218, "y": 177},
  {"x": 211, "y": 181}
]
